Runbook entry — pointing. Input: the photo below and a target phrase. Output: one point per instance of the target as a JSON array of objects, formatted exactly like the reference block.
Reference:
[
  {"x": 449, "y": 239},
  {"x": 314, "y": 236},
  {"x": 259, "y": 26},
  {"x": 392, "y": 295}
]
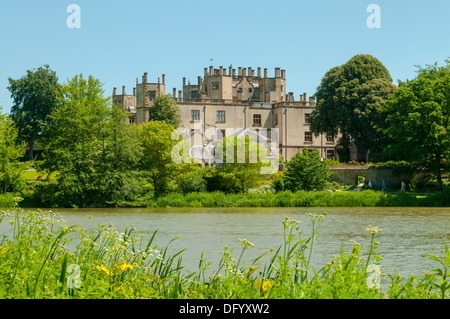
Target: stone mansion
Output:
[{"x": 245, "y": 98}]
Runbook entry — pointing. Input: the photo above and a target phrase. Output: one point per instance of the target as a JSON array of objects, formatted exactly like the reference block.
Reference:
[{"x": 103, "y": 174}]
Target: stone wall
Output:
[{"x": 377, "y": 174}]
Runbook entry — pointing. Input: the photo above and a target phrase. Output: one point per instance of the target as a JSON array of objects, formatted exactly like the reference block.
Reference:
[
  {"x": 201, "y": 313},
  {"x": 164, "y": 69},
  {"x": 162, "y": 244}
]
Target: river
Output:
[{"x": 408, "y": 234}]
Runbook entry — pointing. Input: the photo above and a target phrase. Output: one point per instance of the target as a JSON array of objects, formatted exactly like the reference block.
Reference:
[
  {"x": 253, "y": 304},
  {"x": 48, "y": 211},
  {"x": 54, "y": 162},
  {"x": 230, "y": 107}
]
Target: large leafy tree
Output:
[
  {"x": 349, "y": 98},
  {"x": 157, "y": 144},
  {"x": 244, "y": 165},
  {"x": 88, "y": 143},
  {"x": 306, "y": 171},
  {"x": 10, "y": 153},
  {"x": 34, "y": 97},
  {"x": 165, "y": 109},
  {"x": 416, "y": 121}
]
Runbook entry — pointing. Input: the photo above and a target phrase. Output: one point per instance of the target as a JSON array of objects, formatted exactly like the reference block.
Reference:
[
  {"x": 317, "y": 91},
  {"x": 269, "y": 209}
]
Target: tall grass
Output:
[
  {"x": 42, "y": 257},
  {"x": 365, "y": 198}
]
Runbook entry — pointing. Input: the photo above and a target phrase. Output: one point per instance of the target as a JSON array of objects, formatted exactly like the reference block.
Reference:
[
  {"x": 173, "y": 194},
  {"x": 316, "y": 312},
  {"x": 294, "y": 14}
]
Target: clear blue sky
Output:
[{"x": 119, "y": 40}]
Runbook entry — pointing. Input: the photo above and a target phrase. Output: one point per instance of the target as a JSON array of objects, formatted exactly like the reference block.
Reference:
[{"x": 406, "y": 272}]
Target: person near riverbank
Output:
[
  {"x": 402, "y": 189},
  {"x": 370, "y": 184},
  {"x": 383, "y": 187}
]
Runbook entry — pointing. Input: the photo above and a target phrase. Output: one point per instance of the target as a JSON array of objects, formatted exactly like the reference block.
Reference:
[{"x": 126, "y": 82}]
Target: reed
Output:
[
  {"x": 365, "y": 198},
  {"x": 42, "y": 257}
]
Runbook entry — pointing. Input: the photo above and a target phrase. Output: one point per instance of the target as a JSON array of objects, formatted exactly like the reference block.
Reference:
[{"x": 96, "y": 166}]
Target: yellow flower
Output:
[
  {"x": 123, "y": 290},
  {"x": 106, "y": 270},
  {"x": 124, "y": 266},
  {"x": 265, "y": 284},
  {"x": 3, "y": 250}
]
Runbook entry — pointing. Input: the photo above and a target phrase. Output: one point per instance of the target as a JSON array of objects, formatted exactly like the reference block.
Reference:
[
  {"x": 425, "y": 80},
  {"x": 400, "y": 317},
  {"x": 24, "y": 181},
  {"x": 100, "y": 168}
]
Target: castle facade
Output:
[{"x": 228, "y": 99}]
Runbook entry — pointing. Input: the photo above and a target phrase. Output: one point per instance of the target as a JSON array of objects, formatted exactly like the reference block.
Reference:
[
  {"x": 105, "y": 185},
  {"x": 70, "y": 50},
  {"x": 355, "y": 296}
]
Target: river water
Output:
[{"x": 408, "y": 234}]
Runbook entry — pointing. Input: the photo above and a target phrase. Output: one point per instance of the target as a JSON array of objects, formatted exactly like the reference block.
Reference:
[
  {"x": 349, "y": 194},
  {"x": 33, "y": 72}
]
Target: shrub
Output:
[{"x": 306, "y": 171}]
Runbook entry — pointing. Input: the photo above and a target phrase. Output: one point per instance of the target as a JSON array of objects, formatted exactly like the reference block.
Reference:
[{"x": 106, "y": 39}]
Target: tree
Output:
[
  {"x": 306, "y": 171},
  {"x": 34, "y": 97},
  {"x": 417, "y": 121},
  {"x": 10, "y": 153},
  {"x": 157, "y": 143},
  {"x": 89, "y": 144},
  {"x": 165, "y": 109},
  {"x": 349, "y": 99},
  {"x": 243, "y": 165}
]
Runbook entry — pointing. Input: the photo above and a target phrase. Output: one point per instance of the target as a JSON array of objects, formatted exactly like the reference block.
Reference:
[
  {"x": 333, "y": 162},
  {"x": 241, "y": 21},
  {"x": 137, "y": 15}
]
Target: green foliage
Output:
[
  {"x": 11, "y": 179},
  {"x": 36, "y": 263},
  {"x": 34, "y": 97},
  {"x": 416, "y": 121},
  {"x": 365, "y": 198},
  {"x": 165, "y": 109},
  {"x": 306, "y": 171},
  {"x": 244, "y": 164},
  {"x": 157, "y": 158},
  {"x": 349, "y": 98},
  {"x": 90, "y": 146},
  {"x": 190, "y": 178}
]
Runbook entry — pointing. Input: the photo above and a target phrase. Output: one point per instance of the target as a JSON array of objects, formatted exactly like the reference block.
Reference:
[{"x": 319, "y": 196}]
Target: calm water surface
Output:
[{"x": 408, "y": 233}]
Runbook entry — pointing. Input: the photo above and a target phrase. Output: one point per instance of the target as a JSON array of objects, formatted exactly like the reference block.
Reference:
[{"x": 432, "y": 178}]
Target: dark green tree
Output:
[
  {"x": 90, "y": 145},
  {"x": 349, "y": 99},
  {"x": 34, "y": 97},
  {"x": 165, "y": 109},
  {"x": 306, "y": 171},
  {"x": 416, "y": 121}
]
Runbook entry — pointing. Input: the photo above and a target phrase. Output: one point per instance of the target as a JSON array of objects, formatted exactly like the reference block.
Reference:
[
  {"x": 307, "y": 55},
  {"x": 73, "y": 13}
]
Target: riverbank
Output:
[
  {"x": 110, "y": 264},
  {"x": 365, "y": 198}
]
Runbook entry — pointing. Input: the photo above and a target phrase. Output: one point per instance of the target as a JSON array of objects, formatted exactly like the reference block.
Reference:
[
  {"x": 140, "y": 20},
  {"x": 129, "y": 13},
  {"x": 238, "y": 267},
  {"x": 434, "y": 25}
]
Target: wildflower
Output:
[
  {"x": 373, "y": 230},
  {"x": 246, "y": 243},
  {"x": 124, "y": 266},
  {"x": 263, "y": 284},
  {"x": 123, "y": 290},
  {"x": 3, "y": 250},
  {"x": 104, "y": 269}
]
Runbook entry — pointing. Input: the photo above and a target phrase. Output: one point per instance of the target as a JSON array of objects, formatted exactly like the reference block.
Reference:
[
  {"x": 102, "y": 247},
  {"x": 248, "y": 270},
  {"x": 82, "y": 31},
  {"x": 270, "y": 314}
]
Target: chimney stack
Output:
[
  {"x": 230, "y": 70},
  {"x": 174, "y": 94},
  {"x": 179, "y": 95},
  {"x": 114, "y": 91},
  {"x": 205, "y": 72},
  {"x": 220, "y": 70},
  {"x": 259, "y": 72},
  {"x": 134, "y": 91},
  {"x": 211, "y": 70},
  {"x": 184, "y": 81},
  {"x": 123, "y": 90},
  {"x": 283, "y": 74},
  {"x": 265, "y": 72},
  {"x": 144, "y": 77},
  {"x": 277, "y": 72},
  {"x": 239, "y": 71},
  {"x": 199, "y": 80},
  {"x": 244, "y": 72},
  {"x": 291, "y": 97},
  {"x": 164, "y": 79}
]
